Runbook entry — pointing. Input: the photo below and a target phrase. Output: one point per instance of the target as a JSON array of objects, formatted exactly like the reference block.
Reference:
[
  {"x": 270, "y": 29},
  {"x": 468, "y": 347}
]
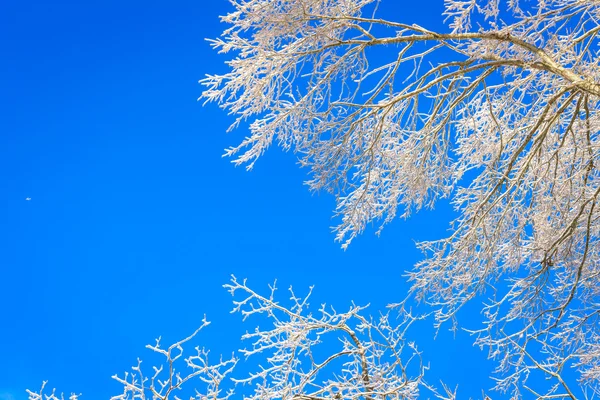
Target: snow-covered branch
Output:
[{"x": 502, "y": 119}]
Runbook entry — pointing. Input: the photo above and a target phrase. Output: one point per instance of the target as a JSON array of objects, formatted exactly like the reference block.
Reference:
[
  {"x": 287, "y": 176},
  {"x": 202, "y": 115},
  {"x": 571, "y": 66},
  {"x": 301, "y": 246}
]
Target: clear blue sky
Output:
[{"x": 135, "y": 220}]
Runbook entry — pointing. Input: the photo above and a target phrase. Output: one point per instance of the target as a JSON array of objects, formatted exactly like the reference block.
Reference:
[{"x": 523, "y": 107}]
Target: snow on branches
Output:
[
  {"x": 391, "y": 117},
  {"x": 302, "y": 353},
  {"x": 331, "y": 354},
  {"x": 166, "y": 380}
]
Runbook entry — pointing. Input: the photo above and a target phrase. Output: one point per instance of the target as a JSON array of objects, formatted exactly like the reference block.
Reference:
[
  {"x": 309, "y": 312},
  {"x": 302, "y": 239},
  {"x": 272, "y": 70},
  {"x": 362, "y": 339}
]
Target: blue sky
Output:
[{"x": 135, "y": 220}]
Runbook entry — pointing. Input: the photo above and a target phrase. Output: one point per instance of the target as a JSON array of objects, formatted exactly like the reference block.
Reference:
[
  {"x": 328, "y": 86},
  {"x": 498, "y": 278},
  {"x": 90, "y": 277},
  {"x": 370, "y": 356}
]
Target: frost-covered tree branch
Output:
[
  {"x": 330, "y": 354},
  {"x": 303, "y": 353},
  {"x": 502, "y": 120},
  {"x": 40, "y": 395},
  {"x": 166, "y": 380}
]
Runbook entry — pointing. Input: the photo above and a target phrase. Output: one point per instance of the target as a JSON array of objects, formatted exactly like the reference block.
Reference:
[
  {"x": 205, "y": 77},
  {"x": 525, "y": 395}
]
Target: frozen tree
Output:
[
  {"x": 499, "y": 113},
  {"x": 304, "y": 353}
]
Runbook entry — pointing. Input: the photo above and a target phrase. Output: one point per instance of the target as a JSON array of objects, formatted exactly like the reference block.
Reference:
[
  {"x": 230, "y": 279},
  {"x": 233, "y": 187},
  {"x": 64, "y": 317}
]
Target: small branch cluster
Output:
[
  {"x": 166, "y": 380},
  {"x": 40, "y": 395},
  {"x": 339, "y": 355},
  {"x": 328, "y": 355}
]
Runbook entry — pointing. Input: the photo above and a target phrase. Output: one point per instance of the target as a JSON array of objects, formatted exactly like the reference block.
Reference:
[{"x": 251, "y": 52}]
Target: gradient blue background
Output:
[{"x": 135, "y": 220}]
